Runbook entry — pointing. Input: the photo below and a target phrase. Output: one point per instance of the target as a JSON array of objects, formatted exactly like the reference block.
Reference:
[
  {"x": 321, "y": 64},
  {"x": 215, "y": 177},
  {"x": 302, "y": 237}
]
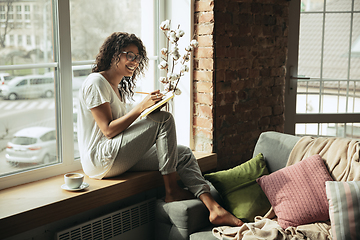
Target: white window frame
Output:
[
  {"x": 292, "y": 118},
  {"x": 63, "y": 70}
]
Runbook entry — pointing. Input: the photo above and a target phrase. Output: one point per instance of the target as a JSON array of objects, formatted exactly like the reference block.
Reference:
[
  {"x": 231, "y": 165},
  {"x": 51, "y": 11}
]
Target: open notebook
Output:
[{"x": 165, "y": 99}]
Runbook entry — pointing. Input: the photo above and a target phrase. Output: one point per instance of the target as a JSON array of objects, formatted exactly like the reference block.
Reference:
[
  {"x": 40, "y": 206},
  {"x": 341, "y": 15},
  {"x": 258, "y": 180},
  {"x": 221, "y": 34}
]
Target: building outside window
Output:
[
  {"x": 20, "y": 40},
  {"x": 28, "y": 40}
]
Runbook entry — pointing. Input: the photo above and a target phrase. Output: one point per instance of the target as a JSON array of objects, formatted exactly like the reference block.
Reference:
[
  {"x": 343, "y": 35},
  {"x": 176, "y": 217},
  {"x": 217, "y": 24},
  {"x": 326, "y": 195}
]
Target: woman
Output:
[{"x": 111, "y": 142}]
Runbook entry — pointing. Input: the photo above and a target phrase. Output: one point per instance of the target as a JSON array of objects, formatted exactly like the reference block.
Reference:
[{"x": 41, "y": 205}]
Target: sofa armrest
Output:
[{"x": 177, "y": 220}]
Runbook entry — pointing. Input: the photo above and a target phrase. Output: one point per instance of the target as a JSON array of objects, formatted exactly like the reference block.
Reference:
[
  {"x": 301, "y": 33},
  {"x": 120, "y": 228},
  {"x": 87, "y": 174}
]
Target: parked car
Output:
[
  {"x": 5, "y": 77},
  {"x": 28, "y": 87},
  {"x": 32, "y": 145}
]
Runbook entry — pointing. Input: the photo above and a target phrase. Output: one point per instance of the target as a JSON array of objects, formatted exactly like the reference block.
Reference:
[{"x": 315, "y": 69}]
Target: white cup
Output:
[{"x": 73, "y": 180}]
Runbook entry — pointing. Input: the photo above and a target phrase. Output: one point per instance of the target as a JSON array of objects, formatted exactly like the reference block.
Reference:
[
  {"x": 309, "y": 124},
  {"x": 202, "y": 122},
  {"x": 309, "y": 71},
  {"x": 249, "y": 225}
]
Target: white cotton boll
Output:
[
  {"x": 179, "y": 33},
  {"x": 175, "y": 52},
  {"x": 176, "y": 55},
  {"x": 184, "y": 68},
  {"x": 174, "y": 48},
  {"x": 163, "y": 65},
  {"x": 175, "y": 77},
  {"x": 169, "y": 76},
  {"x": 186, "y": 57},
  {"x": 172, "y": 37},
  {"x": 189, "y": 48},
  {"x": 194, "y": 43},
  {"x": 164, "y": 51},
  {"x": 165, "y": 25},
  {"x": 177, "y": 91},
  {"x": 172, "y": 34},
  {"x": 164, "y": 80}
]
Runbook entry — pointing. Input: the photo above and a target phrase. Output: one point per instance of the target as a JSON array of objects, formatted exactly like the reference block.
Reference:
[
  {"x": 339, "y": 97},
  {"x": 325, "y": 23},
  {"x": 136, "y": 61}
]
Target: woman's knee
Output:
[
  {"x": 162, "y": 116},
  {"x": 183, "y": 149}
]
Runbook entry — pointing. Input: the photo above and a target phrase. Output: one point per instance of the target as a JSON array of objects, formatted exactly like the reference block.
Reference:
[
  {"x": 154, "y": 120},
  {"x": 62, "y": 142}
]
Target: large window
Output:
[
  {"x": 324, "y": 77},
  {"x": 41, "y": 73}
]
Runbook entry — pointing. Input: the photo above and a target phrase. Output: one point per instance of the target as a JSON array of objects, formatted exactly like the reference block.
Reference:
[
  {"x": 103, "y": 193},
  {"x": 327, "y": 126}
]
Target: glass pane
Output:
[
  {"x": 307, "y": 103},
  {"x": 353, "y": 130},
  {"x": 338, "y": 5},
  {"x": 310, "y": 45},
  {"x": 309, "y": 129},
  {"x": 349, "y": 130},
  {"x": 355, "y": 48},
  {"x": 312, "y": 5},
  {"x": 356, "y": 5},
  {"x": 336, "y": 45},
  {"x": 27, "y": 103},
  {"x": 308, "y": 97},
  {"x": 28, "y": 37},
  {"x": 91, "y": 25},
  {"x": 27, "y": 121}
]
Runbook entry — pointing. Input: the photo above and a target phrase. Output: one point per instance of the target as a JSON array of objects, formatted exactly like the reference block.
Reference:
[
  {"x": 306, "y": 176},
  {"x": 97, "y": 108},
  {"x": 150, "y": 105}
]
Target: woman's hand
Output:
[{"x": 151, "y": 99}]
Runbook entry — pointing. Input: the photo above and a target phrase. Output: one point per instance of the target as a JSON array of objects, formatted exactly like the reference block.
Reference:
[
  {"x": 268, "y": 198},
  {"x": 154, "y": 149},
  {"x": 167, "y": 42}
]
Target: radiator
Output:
[{"x": 133, "y": 222}]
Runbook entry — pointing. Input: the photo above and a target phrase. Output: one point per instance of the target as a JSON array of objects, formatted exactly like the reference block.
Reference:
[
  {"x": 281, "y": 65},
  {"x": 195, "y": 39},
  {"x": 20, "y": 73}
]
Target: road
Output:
[{"x": 19, "y": 114}]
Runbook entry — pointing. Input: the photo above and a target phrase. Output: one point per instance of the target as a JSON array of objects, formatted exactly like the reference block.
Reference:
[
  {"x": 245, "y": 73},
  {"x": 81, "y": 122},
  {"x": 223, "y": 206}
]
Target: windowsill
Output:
[{"x": 32, "y": 205}]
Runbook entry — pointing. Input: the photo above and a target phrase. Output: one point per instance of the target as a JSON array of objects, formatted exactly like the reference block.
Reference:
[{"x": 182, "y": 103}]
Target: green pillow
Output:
[{"x": 242, "y": 196}]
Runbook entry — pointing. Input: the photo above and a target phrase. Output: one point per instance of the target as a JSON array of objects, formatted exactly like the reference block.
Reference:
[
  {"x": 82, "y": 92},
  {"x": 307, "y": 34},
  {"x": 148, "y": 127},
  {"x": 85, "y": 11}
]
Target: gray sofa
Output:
[{"x": 189, "y": 219}]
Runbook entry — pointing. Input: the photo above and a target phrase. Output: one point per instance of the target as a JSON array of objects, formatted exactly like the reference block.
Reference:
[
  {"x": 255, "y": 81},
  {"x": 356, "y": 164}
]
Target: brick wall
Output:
[{"x": 239, "y": 75}]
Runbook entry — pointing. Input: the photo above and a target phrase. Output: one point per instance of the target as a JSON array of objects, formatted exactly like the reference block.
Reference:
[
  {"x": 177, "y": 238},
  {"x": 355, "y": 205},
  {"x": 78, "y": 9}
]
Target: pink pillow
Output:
[{"x": 297, "y": 193}]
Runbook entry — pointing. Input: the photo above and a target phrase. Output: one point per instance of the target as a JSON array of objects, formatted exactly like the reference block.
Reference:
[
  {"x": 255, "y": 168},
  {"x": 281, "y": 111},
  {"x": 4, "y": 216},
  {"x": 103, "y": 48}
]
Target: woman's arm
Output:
[{"x": 112, "y": 127}]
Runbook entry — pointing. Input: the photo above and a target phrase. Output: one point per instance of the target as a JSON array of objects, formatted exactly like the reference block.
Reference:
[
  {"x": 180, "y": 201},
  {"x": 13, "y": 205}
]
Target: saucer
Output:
[{"x": 82, "y": 186}]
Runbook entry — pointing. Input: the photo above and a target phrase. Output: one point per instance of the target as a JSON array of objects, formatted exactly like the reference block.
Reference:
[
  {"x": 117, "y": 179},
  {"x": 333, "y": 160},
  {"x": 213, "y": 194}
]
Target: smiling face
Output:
[{"x": 124, "y": 66}]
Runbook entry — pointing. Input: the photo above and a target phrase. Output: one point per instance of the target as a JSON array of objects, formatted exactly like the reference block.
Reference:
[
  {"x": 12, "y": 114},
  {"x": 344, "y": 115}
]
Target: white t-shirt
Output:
[{"x": 97, "y": 152}]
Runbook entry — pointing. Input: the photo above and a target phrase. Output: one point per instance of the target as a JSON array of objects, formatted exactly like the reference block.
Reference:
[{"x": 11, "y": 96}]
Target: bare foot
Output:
[
  {"x": 219, "y": 216},
  {"x": 178, "y": 195}
]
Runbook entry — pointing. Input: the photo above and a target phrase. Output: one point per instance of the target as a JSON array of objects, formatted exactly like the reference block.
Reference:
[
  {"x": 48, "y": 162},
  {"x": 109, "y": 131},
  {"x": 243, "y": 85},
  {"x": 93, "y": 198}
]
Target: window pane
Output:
[
  {"x": 306, "y": 129},
  {"x": 338, "y": 5},
  {"x": 336, "y": 45},
  {"x": 349, "y": 130},
  {"x": 312, "y": 5},
  {"x": 27, "y": 120},
  {"x": 27, "y": 102},
  {"x": 355, "y": 48},
  {"x": 91, "y": 25},
  {"x": 356, "y": 5},
  {"x": 310, "y": 45},
  {"x": 24, "y": 50},
  {"x": 307, "y": 97}
]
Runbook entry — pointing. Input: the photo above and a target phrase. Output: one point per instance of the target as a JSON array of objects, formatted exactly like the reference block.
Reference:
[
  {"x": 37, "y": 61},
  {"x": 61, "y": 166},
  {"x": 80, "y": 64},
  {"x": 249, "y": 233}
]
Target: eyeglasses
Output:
[{"x": 132, "y": 56}]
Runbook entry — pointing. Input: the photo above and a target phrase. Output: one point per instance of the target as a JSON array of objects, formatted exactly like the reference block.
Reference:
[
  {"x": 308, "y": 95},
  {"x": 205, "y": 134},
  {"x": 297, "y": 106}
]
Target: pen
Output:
[{"x": 142, "y": 92}]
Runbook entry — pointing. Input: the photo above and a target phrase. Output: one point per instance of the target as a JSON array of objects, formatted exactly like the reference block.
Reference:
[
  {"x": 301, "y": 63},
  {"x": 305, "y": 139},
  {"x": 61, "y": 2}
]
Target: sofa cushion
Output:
[
  {"x": 344, "y": 209},
  {"x": 242, "y": 196},
  {"x": 297, "y": 192}
]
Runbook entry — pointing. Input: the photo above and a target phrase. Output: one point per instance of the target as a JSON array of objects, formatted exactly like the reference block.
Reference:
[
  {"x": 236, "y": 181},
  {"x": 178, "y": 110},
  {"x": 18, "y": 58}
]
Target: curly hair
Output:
[{"x": 110, "y": 51}]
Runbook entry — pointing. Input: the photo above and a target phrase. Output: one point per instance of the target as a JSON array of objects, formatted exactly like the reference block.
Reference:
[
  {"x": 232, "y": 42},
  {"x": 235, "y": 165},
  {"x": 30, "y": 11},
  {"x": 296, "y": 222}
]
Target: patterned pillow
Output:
[
  {"x": 297, "y": 193},
  {"x": 344, "y": 209}
]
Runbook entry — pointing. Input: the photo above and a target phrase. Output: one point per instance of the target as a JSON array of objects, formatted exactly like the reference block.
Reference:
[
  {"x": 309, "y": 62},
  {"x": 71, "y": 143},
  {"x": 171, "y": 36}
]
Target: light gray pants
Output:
[{"x": 150, "y": 144}]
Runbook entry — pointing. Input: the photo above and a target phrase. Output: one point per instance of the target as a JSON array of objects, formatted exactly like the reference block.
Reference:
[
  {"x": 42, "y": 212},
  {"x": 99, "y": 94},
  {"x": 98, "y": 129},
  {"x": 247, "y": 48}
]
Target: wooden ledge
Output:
[{"x": 32, "y": 205}]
